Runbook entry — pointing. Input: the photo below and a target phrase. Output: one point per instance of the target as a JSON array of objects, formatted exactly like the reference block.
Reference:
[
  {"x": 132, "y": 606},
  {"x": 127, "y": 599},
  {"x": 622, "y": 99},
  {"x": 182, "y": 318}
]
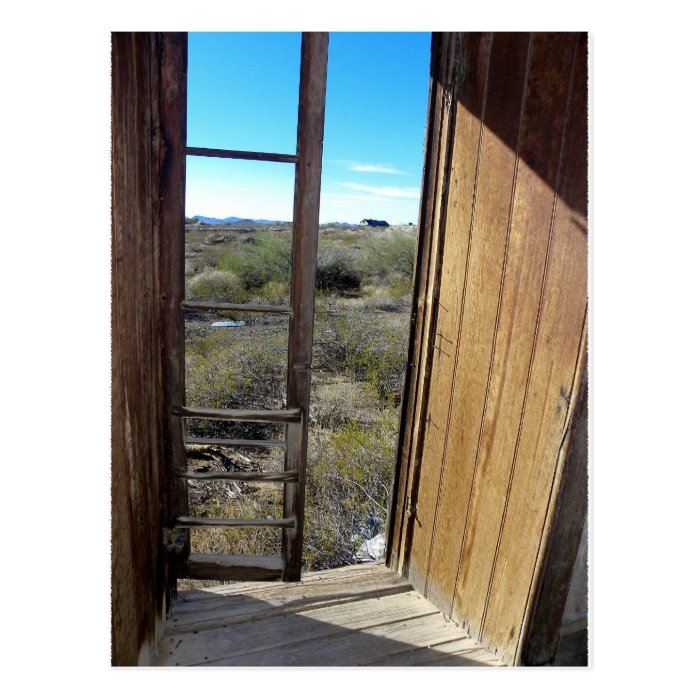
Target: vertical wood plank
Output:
[
  {"x": 132, "y": 344},
  {"x": 411, "y": 395},
  {"x": 463, "y": 153},
  {"x": 142, "y": 133},
  {"x": 538, "y": 644},
  {"x": 525, "y": 262},
  {"x": 560, "y": 346},
  {"x": 493, "y": 194},
  {"x": 169, "y": 142},
  {"x": 426, "y": 290},
  {"x": 312, "y": 102}
]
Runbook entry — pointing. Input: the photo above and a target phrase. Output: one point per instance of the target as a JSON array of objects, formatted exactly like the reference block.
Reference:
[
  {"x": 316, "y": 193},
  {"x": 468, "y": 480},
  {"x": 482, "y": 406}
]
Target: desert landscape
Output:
[{"x": 239, "y": 360}]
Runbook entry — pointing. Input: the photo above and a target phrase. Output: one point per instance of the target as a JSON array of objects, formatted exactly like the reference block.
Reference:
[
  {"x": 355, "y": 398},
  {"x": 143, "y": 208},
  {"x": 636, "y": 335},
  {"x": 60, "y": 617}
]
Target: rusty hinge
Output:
[{"x": 174, "y": 538}]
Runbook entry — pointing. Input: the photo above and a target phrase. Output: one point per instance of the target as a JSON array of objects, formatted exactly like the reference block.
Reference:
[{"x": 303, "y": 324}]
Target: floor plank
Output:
[{"x": 354, "y": 616}]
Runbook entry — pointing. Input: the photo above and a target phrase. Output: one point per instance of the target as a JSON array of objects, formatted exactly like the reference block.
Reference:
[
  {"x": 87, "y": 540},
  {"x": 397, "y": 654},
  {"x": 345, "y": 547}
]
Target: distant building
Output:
[{"x": 374, "y": 222}]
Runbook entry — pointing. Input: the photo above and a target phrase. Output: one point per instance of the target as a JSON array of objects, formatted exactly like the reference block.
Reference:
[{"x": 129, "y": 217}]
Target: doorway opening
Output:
[{"x": 239, "y": 256}]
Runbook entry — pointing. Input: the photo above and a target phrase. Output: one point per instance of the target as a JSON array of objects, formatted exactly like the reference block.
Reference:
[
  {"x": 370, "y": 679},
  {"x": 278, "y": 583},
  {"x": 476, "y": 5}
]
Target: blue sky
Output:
[{"x": 243, "y": 91}]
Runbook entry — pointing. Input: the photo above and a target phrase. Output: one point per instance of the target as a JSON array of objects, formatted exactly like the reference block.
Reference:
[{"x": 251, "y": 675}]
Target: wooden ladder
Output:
[{"x": 307, "y": 160}]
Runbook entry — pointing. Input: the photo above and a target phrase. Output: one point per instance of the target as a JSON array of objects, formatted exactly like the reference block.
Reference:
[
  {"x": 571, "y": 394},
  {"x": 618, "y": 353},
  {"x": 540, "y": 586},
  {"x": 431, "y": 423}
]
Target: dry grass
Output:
[{"x": 360, "y": 345}]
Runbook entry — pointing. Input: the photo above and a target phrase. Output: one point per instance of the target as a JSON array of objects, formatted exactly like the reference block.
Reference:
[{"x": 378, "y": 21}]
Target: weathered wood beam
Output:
[
  {"x": 235, "y": 441},
  {"x": 188, "y": 521},
  {"x": 307, "y": 200},
  {"x": 233, "y": 568},
  {"x": 291, "y": 415},
  {"x": 242, "y": 155},
  {"x": 243, "y": 476},
  {"x": 307, "y": 191},
  {"x": 216, "y": 306},
  {"x": 148, "y": 111},
  {"x": 168, "y": 143}
]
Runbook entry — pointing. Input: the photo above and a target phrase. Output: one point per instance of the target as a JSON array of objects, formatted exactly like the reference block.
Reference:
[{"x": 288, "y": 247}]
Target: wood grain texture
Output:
[
  {"x": 546, "y": 414},
  {"x": 147, "y": 84},
  {"x": 235, "y": 441},
  {"x": 461, "y": 172},
  {"x": 507, "y": 320},
  {"x": 401, "y": 511},
  {"x": 307, "y": 201},
  {"x": 234, "y": 568},
  {"x": 251, "y": 415},
  {"x": 188, "y": 521},
  {"x": 288, "y": 590},
  {"x": 524, "y": 270},
  {"x": 489, "y": 214},
  {"x": 220, "y": 306},
  {"x": 457, "y": 652},
  {"x": 243, "y": 608},
  {"x": 242, "y": 476},
  {"x": 169, "y": 249},
  {"x": 361, "y": 615},
  {"x": 135, "y": 505},
  {"x": 540, "y": 638},
  {"x": 231, "y": 607}
]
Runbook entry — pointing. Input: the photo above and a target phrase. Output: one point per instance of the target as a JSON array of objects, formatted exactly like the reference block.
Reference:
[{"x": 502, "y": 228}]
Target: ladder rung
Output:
[
  {"x": 216, "y": 306},
  {"x": 288, "y": 415},
  {"x": 235, "y": 441},
  {"x": 289, "y": 475},
  {"x": 241, "y": 155},
  {"x": 220, "y": 567},
  {"x": 188, "y": 521}
]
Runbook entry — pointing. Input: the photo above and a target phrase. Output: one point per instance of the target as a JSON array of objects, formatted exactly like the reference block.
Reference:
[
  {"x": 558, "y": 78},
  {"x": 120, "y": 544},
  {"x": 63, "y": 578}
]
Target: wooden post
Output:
[
  {"x": 170, "y": 142},
  {"x": 148, "y": 103},
  {"x": 312, "y": 103}
]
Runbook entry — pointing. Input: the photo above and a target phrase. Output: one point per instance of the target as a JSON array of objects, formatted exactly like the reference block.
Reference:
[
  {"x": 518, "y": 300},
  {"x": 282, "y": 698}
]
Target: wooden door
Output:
[{"x": 498, "y": 351}]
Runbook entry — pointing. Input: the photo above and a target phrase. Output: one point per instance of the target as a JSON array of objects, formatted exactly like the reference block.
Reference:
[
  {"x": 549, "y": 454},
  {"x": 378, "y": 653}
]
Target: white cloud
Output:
[
  {"x": 375, "y": 168},
  {"x": 391, "y": 192},
  {"x": 383, "y": 168}
]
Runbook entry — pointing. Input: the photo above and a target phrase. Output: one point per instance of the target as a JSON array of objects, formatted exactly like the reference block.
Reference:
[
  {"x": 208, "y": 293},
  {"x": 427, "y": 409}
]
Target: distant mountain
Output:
[
  {"x": 233, "y": 220},
  {"x": 237, "y": 219}
]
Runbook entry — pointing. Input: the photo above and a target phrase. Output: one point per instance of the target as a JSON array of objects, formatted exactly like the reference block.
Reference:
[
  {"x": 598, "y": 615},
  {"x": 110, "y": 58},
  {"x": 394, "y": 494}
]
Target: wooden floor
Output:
[{"x": 361, "y": 615}]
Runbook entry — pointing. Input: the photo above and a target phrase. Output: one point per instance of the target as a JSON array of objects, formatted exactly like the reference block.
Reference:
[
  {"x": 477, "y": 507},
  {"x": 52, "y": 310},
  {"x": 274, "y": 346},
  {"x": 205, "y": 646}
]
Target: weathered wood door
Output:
[
  {"x": 498, "y": 353},
  {"x": 300, "y": 310}
]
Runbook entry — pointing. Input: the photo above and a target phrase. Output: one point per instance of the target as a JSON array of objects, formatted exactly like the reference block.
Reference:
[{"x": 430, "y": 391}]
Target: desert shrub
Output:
[
  {"x": 336, "y": 273},
  {"x": 390, "y": 256},
  {"x": 337, "y": 403},
  {"x": 348, "y": 482},
  {"x": 351, "y": 239},
  {"x": 365, "y": 347},
  {"x": 213, "y": 285},
  {"x": 359, "y": 362},
  {"x": 401, "y": 288},
  {"x": 272, "y": 292},
  {"x": 267, "y": 258},
  {"x": 396, "y": 297},
  {"x": 256, "y": 503},
  {"x": 238, "y": 369}
]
